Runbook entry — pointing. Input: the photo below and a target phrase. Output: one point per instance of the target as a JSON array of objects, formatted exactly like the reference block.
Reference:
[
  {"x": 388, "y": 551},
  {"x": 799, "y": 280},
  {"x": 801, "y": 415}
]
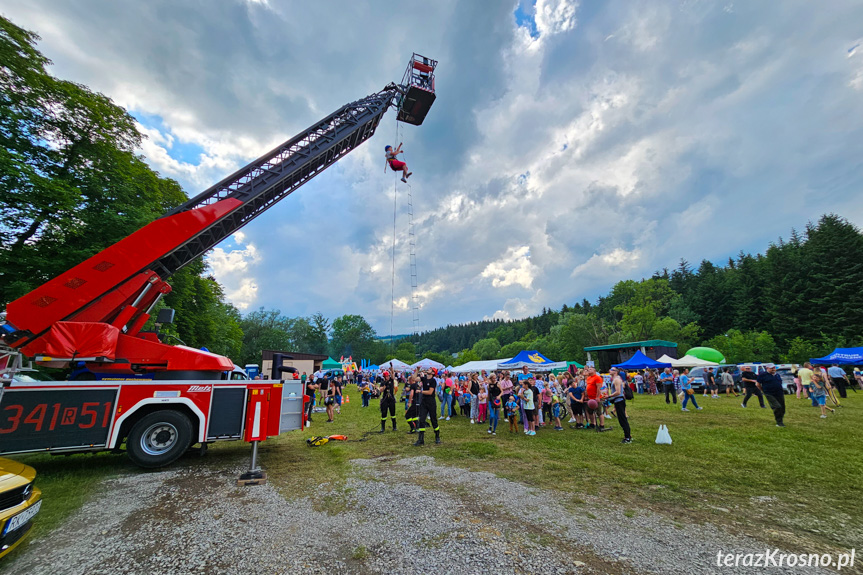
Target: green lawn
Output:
[{"x": 727, "y": 465}]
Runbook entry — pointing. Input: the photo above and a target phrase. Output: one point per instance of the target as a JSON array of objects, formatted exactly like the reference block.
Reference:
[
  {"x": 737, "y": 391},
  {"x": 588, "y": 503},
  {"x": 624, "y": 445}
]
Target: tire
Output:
[{"x": 159, "y": 438}]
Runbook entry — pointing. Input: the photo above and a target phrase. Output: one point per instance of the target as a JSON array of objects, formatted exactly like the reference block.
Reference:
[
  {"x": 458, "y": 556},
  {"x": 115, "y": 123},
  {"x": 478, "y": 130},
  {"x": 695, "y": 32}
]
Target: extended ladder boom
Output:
[
  {"x": 276, "y": 174},
  {"x": 89, "y": 311}
]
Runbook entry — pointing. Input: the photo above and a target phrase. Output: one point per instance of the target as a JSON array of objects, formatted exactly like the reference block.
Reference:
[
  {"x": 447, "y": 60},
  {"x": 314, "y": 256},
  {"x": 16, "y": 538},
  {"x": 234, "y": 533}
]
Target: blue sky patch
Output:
[
  {"x": 186, "y": 152},
  {"x": 525, "y": 16}
]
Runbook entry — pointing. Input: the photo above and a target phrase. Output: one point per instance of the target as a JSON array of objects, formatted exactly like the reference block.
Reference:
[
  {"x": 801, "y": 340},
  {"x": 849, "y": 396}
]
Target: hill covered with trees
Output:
[{"x": 799, "y": 299}]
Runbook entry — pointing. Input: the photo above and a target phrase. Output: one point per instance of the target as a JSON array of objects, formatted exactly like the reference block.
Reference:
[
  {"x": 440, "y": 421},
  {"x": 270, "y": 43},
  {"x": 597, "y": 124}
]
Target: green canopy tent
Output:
[
  {"x": 561, "y": 370},
  {"x": 330, "y": 363}
]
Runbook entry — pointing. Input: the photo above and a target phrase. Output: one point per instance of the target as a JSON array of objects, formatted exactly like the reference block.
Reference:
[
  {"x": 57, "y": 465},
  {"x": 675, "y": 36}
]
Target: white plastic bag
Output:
[{"x": 662, "y": 436}]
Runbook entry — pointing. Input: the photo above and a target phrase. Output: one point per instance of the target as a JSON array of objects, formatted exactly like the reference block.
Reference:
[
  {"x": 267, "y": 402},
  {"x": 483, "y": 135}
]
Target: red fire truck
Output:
[{"x": 135, "y": 390}]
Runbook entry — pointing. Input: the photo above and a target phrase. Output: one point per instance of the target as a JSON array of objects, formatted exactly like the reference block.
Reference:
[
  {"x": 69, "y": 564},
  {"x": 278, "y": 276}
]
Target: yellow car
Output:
[{"x": 19, "y": 503}]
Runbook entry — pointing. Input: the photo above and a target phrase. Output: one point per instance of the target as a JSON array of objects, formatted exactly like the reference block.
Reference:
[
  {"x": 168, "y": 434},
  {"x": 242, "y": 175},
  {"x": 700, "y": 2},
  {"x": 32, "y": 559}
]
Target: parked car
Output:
[{"x": 20, "y": 501}]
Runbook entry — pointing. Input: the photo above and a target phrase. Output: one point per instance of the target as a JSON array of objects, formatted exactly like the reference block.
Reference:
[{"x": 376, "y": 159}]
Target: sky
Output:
[{"x": 572, "y": 144}]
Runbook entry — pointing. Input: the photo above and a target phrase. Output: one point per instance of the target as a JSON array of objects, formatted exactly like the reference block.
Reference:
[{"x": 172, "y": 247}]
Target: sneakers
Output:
[
  {"x": 472, "y": 421},
  {"x": 743, "y": 405},
  {"x": 780, "y": 425},
  {"x": 558, "y": 429},
  {"x": 447, "y": 418},
  {"x": 699, "y": 408},
  {"x": 683, "y": 409},
  {"x": 494, "y": 433},
  {"x": 626, "y": 440},
  {"x": 404, "y": 180},
  {"x": 531, "y": 433},
  {"x": 409, "y": 174},
  {"x": 490, "y": 431},
  {"x": 571, "y": 420},
  {"x": 823, "y": 417}
]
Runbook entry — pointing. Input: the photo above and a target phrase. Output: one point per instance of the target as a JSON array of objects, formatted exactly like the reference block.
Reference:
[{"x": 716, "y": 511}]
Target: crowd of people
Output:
[{"x": 528, "y": 402}]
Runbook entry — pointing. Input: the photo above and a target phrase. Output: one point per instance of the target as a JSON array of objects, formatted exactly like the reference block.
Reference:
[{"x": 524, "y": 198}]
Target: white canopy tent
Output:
[
  {"x": 427, "y": 363},
  {"x": 687, "y": 361},
  {"x": 395, "y": 365},
  {"x": 478, "y": 366}
]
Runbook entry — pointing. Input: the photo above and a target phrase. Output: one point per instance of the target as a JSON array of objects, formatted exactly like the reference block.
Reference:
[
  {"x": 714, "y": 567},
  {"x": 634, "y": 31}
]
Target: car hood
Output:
[{"x": 12, "y": 470}]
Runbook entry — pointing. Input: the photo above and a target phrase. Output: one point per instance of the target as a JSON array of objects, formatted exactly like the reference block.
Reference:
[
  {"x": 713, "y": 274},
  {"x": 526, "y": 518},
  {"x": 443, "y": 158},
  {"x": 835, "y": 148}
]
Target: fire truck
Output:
[{"x": 132, "y": 389}]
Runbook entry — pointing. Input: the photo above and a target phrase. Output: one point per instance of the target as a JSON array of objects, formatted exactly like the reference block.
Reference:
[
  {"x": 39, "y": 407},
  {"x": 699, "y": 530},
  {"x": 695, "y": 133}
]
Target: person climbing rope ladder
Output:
[{"x": 395, "y": 163}]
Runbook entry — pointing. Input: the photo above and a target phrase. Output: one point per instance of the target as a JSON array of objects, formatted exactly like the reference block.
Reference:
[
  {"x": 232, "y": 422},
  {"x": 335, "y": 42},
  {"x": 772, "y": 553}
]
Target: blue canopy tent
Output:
[
  {"x": 842, "y": 356},
  {"x": 533, "y": 360},
  {"x": 640, "y": 361}
]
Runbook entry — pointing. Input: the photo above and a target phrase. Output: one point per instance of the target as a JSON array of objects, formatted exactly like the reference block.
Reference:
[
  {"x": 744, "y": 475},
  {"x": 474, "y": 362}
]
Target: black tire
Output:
[{"x": 159, "y": 438}]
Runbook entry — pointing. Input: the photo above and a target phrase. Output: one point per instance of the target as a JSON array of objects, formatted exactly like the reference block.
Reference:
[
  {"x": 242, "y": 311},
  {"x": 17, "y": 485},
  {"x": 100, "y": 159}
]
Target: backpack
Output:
[{"x": 627, "y": 392}]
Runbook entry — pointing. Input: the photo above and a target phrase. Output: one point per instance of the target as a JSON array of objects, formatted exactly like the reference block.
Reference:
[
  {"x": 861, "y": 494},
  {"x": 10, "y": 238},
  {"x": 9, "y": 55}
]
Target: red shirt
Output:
[{"x": 594, "y": 382}]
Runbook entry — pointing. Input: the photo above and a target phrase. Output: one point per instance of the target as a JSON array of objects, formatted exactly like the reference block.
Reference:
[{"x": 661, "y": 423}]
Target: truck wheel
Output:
[{"x": 159, "y": 438}]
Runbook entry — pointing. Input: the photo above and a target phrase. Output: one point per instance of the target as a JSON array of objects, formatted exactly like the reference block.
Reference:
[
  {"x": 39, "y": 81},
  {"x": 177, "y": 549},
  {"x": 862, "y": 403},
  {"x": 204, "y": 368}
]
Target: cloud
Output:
[
  {"x": 610, "y": 139},
  {"x": 233, "y": 270},
  {"x": 555, "y": 16},
  {"x": 513, "y": 269}
]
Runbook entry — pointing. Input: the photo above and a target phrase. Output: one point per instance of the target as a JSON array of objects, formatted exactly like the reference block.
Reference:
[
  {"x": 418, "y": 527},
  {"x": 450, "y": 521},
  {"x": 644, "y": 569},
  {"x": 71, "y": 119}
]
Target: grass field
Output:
[{"x": 727, "y": 465}]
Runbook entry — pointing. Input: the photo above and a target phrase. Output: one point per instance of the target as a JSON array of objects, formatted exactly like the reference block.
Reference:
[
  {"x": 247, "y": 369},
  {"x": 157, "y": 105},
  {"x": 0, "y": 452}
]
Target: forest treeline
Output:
[
  {"x": 72, "y": 182},
  {"x": 799, "y": 299}
]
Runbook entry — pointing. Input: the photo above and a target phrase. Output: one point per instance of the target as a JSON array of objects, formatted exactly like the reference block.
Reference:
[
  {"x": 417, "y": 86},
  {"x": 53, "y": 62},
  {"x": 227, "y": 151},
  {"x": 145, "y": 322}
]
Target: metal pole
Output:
[{"x": 254, "y": 464}]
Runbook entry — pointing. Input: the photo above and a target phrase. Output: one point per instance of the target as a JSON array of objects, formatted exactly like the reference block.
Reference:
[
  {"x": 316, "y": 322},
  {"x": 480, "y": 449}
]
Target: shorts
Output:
[
  {"x": 396, "y": 165},
  {"x": 597, "y": 410},
  {"x": 577, "y": 407},
  {"x": 329, "y": 401},
  {"x": 821, "y": 399},
  {"x": 339, "y": 399},
  {"x": 530, "y": 414},
  {"x": 555, "y": 410}
]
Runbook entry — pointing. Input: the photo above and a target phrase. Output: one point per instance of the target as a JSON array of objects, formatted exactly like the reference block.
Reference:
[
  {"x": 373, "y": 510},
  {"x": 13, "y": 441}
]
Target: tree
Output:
[
  {"x": 69, "y": 178},
  {"x": 802, "y": 350},
  {"x": 465, "y": 356},
  {"x": 738, "y": 347},
  {"x": 440, "y": 358},
  {"x": 264, "y": 329},
  {"x": 406, "y": 352},
  {"x": 352, "y": 336},
  {"x": 488, "y": 348},
  {"x": 319, "y": 333}
]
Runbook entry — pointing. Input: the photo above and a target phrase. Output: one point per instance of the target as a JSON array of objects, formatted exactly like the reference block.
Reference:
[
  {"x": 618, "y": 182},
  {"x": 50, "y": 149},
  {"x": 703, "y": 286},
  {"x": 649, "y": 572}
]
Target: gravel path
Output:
[{"x": 390, "y": 516}]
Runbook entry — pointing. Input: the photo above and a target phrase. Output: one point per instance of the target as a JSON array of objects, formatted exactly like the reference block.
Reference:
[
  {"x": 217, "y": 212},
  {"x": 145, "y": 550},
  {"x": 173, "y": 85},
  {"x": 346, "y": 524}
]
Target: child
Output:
[
  {"x": 555, "y": 411},
  {"x": 575, "y": 395},
  {"x": 364, "y": 388},
  {"x": 819, "y": 393},
  {"x": 483, "y": 405},
  {"x": 511, "y": 408},
  {"x": 529, "y": 405},
  {"x": 395, "y": 164}
]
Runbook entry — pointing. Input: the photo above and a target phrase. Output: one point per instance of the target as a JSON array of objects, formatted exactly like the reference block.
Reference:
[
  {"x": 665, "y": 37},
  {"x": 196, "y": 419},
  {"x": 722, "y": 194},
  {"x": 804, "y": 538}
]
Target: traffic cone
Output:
[{"x": 347, "y": 399}]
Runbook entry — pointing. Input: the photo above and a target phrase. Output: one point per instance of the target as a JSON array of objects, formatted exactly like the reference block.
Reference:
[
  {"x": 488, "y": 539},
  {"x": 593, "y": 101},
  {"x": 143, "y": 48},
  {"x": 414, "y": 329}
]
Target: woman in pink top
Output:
[
  {"x": 505, "y": 388},
  {"x": 546, "y": 395}
]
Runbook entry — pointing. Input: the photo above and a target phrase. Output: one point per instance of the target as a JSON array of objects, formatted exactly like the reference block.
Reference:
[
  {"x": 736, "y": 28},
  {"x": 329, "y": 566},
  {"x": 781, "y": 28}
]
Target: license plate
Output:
[{"x": 18, "y": 521}]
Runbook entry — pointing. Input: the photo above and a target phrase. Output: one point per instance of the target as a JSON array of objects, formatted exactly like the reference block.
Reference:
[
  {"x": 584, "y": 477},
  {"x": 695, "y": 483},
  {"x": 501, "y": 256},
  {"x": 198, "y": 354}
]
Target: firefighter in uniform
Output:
[
  {"x": 428, "y": 408},
  {"x": 388, "y": 389},
  {"x": 414, "y": 400}
]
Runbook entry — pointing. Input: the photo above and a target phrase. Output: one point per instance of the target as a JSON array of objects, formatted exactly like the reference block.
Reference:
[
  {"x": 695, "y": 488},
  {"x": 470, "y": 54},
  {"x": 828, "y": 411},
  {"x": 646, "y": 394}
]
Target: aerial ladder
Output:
[{"x": 94, "y": 313}]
